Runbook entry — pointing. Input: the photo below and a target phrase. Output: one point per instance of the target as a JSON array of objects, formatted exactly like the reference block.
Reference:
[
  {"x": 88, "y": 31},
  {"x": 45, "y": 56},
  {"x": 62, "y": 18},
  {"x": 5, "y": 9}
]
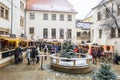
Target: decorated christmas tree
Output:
[
  {"x": 104, "y": 73},
  {"x": 67, "y": 50}
]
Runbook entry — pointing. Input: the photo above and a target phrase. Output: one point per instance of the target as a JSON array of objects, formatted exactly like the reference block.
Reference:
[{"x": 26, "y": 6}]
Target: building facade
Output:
[
  {"x": 103, "y": 30},
  {"x": 12, "y": 16},
  {"x": 82, "y": 32},
  {"x": 50, "y": 20}
]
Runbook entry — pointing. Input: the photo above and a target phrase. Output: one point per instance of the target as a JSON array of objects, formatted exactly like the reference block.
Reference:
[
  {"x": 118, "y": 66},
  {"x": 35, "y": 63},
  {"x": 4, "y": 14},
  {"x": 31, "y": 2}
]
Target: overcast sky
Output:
[{"x": 83, "y": 7}]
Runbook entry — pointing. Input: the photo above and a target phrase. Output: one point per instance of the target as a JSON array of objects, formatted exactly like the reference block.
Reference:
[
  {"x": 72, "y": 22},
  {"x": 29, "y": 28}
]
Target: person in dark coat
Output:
[
  {"x": 37, "y": 55},
  {"x": 33, "y": 55},
  {"x": 94, "y": 55},
  {"x": 17, "y": 53}
]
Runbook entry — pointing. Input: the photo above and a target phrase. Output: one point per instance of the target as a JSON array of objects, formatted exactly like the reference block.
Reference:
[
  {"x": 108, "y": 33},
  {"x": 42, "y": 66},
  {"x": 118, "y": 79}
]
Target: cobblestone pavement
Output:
[{"x": 31, "y": 72}]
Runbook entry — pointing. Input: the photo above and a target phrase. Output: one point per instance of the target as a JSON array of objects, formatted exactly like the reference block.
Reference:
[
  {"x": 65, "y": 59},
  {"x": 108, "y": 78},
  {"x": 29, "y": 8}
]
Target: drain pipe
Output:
[{"x": 11, "y": 16}]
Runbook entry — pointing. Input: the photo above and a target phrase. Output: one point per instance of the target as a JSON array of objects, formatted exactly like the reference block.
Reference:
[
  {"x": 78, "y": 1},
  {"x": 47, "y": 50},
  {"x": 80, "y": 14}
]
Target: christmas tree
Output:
[
  {"x": 67, "y": 50},
  {"x": 104, "y": 73}
]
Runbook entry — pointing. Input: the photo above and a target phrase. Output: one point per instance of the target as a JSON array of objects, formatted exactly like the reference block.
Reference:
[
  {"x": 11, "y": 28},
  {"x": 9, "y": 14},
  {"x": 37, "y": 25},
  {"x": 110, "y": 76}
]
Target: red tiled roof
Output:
[{"x": 49, "y": 5}]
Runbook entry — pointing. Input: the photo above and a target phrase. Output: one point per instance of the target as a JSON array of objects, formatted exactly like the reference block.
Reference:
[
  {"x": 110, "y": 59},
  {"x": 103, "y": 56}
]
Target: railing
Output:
[{"x": 73, "y": 61}]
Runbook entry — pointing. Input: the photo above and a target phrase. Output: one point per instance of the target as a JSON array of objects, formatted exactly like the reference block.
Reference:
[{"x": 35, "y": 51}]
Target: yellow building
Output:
[{"x": 88, "y": 19}]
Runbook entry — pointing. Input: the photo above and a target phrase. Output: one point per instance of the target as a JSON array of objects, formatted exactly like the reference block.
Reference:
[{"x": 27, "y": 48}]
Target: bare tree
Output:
[{"x": 112, "y": 22}]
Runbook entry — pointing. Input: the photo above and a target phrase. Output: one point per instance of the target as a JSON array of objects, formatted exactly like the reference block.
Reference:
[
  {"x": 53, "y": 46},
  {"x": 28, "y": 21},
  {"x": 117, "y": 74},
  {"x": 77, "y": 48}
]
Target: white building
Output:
[
  {"x": 50, "y": 20},
  {"x": 100, "y": 32},
  {"x": 12, "y": 17},
  {"x": 82, "y": 31}
]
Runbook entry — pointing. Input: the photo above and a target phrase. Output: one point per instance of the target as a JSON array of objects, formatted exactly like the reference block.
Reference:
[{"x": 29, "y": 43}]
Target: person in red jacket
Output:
[{"x": 76, "y": 49}]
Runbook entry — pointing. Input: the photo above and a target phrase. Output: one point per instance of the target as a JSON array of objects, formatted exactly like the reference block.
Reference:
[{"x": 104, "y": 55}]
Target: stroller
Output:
[{"x": 20, "y": 58}]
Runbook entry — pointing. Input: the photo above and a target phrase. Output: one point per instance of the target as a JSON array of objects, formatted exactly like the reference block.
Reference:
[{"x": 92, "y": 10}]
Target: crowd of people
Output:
[
  {"x": 32, "y": 53},
  {"x": 97, "y": 53}
]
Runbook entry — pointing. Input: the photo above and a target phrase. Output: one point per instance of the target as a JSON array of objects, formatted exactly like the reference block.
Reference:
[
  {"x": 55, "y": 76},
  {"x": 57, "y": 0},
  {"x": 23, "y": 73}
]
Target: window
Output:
[
  {"x": 84, "y": 34},
  {"x": 53, "y": 16},
  {"x": 31, "y": 30},
  {"x": 6, "y": 14},
  {"x": 2, "y": 12},
  {"x": 6, "y": 33},
  {"x": 99, "y": 16},
  {"x": 69, "y": 33},
  {"x": 1, "y": 32},
  {"x": 78, "y": 35},
  {"x": 45, "y": 16},
  {"x": 100, "y": 33},
  {"x": 61, "y": 17},
  {"x": 118, "y": 10},
  {"x": 21, "y": 21},
  {"x": 32, "y": 15},
  {"x": 119, "y": 33},
  {"x": 113, "y": 33},
  {"x": 21, "y": 5},
  {"x": 45, "y": 33},
  {"x": 107, "y": 13},
  {"x": 53, "y": 33},
  {"x": 89, "y": 34},
  {"x": 61, "y": 33},
  {"x": 69, "y": 17}
]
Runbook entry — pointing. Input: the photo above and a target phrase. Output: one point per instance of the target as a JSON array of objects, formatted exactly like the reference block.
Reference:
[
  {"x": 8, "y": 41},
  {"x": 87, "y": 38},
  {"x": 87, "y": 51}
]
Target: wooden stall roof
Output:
[
  {"x": 12, "y": 39},
  {"x": 55, "y": 42},
  {"x": 2, "y": 37}
]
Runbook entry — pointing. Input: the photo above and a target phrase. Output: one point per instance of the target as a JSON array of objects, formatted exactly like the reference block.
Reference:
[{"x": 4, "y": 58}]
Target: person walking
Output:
[
  {"x": 94, "y": 55},
  {"x": 33, "y": 55},
  {"x": 45, "y": 51},
  {"x": 18, "y": 55},
  {"x": 28, "y": 55},
  {"x": 37, "y": 55}
]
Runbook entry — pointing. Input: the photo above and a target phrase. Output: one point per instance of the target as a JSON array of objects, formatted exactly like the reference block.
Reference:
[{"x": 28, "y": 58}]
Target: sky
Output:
[{"x": 83, "y": 7}]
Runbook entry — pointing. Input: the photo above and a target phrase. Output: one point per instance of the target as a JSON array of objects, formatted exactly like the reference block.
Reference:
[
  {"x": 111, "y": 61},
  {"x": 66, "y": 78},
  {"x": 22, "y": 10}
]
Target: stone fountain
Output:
[{"x": 69, "y": 62}]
